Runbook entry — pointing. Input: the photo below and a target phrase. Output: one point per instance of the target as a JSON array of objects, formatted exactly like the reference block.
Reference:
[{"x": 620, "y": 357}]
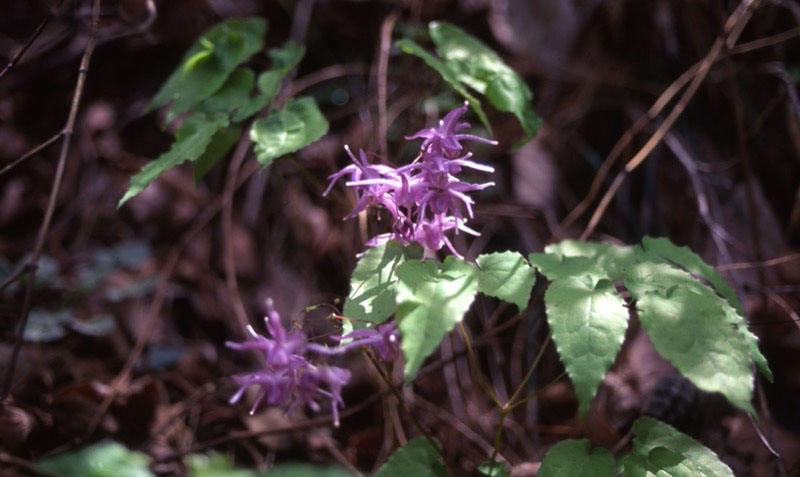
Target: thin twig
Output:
[
  {"x": 383, "y": 71},
  {"x": 663, "y": 100},
  {"x": 51, "y": 205},
  {"x": 151, "y": 319},
  {"x": 767, "y": 263},
  {"x": 30, "y": 153},
  {"x": 314, "y": 423},
  {"x": 732, "y": 28},
  {"x": 18, "y": 56},
  {"x": 227, "y": 233},
  {"x": 399, "y": 396}
]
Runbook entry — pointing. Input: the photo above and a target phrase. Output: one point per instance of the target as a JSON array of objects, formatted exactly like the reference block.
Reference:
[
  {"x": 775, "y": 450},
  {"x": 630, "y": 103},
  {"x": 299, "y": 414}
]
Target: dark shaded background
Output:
[{"x": 595, "y": 67}]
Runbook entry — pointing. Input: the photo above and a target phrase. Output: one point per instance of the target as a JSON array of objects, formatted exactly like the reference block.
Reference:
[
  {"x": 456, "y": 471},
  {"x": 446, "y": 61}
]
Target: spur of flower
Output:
[
  {"x": 289, "y": 379},
  {"x": 425, "y": 199}
]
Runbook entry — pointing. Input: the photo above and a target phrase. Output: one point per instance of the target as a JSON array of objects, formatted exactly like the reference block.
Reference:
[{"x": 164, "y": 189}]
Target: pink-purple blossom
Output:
[
  {"x": 289, "y": 379},
  {"x": 425, "y": 198}
]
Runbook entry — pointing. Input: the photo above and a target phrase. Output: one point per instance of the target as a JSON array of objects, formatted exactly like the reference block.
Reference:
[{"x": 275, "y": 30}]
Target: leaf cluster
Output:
[{"x": 214, "y": 94}]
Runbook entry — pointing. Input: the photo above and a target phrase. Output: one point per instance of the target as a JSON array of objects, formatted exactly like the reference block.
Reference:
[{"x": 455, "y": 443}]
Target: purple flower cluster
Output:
[
  {"x": 289, "y": 379},
  {"x": 424, "y": 198}
]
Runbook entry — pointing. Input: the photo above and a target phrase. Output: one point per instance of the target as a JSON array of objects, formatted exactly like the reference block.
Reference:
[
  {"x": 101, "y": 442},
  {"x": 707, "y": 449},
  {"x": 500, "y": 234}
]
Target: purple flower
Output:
[
  {"x": 445, "y": 139},
  {"x": 384, "y": 339},
  {"x": 425, "y": 198},
  {"x": 289, "y": 379}
]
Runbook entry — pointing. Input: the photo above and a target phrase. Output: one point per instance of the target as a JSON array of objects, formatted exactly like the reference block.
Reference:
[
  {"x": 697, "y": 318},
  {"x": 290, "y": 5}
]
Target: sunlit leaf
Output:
[
  {"x": 418, "y": 458},
  {"x": 588, "y": 321},
  {"x": 295, "y": 126},
  {"x": 662, "y": 250},
  {"x": 105, "y": 459},
  {"x": 480, "y": 67},
  {"x": 493, "y": 469},
  {"x": 431, "y": 299},
  {"x": 191, "y": 141},
  {"x": 214, "y": 465},
  {"x": 447, "y": 74},
  {"x": 207, "y": 64},
  {"x": 661, "y": 451},
  {"x": 554, "y": 267},
  {"x": 506, "y": 275},
  {"x": 614, "y": 259},
  {"x": 694, "y": 328},
  {"x": 372, "y": 297},
  {"x": 573, "y": 458}
]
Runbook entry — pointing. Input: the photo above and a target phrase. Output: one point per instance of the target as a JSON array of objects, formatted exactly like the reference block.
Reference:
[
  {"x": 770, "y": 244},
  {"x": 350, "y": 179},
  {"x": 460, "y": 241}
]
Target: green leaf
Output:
[
  {"x": 614, "y": 259},
  {"x": 555, "y": 268},
  {"x": 305, "y": 470},
  {"x": 191, "y": 141},
  {"x": 694, "y": 328},
  {"x": 660, "y": 450},
  {"x": 588, "y": 322},
  {"x": 221, "y": 143},
  {"x": 481, "y": 68},
  {"x": 662, "y": 250},
  {"x": 234, "y": 94},
  {"x": 207, "y": 64},
  {"x": 408, "y": 46},
  {"x": 268, "y": 83},
  {"x": 572, "y": 457},
  {"x": 372, "y": 297},
  {"x": 287, "y": 57},
  {"x": 105, "y": 459},
  {"x": 507, "y": 276},
  {"x": 284, "y": 59},
  {"x": 493, "y": 469},
  {"x": 295, "y": 126},
  {"x": 418, "y": 458},
  {"x": 430, "y": 301},
  {"x": 214, "y": 465}
]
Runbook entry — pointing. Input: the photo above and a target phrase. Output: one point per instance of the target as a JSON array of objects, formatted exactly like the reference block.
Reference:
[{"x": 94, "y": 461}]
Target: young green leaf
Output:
[
  {"x": 221, "y": 142},
  {"x": 430, "y": 301},
  {"x": 614, "y": 259},
  {"x": 418, "y": 458},
  {"x": 214, "y": 465},
  {"x": 191, "y": 141},
  {"x": 481, "y": 68},
  {"x": 555, "y": 268},
  {"x": 493, "y": 469},
  {"x": 662, "y": 250},
  {"x": 588, "y": 321},
  {"x": 572, "y": 457},
  {"x": 104, "y": 459},
  {"x": 659, "y": 449},
  {"x": 284, "y": 59},
  {"x": 373, "y": 284},
  {"x": 287, "y": 57},
  {"x": 691, "y": 326},
  {"x": 287, "y": 130},
  {"x": 408, "y": 46},
  {"x": 507, "y": 276},
  {"x": 207, "y": 64}
]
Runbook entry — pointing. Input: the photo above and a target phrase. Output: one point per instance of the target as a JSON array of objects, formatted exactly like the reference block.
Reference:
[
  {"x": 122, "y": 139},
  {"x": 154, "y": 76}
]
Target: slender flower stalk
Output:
[{"x": 425, "y": 198}]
